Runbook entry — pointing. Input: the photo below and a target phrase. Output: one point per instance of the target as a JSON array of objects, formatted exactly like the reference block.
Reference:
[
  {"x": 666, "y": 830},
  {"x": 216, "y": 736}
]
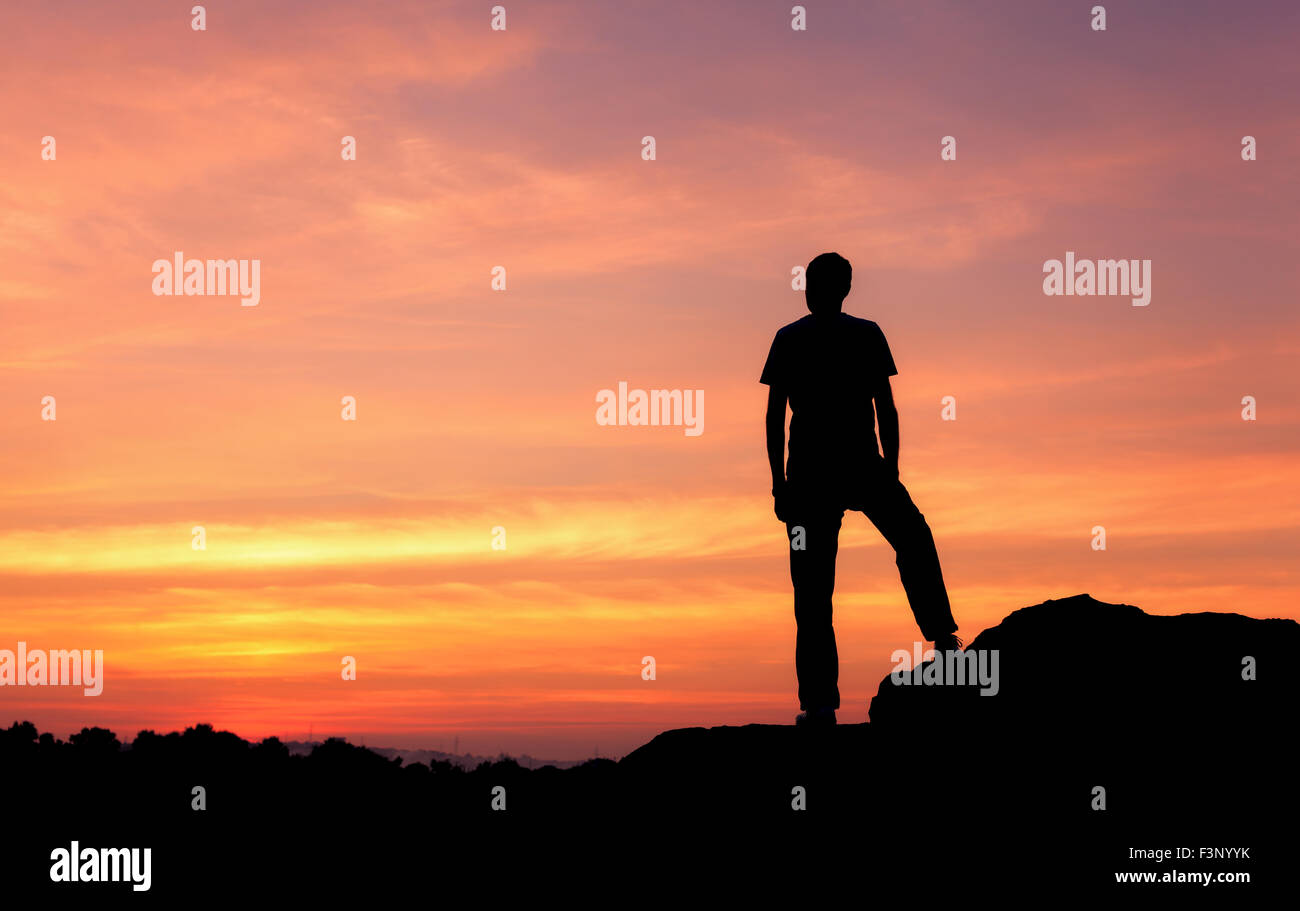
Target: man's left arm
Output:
[{"x": 775, "y": 422}]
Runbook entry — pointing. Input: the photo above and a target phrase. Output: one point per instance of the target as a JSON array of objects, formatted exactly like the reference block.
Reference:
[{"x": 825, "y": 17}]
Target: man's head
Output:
[{"x": 828, "y": 280}]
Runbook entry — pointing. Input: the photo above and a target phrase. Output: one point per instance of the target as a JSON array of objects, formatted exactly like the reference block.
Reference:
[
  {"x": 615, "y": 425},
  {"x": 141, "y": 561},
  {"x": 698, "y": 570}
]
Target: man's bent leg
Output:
[
  {"x": 814, "y": 541},
  {"x": 891, "y": 510}
]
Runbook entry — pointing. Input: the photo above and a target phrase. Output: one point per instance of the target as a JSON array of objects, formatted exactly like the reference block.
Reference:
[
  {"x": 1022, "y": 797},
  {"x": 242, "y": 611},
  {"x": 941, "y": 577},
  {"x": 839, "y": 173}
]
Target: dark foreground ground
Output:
[{"x": 944, "y": 792}]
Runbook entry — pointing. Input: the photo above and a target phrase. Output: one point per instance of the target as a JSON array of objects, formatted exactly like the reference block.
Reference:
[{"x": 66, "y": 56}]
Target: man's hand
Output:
[{"x": 781, "y": 501}]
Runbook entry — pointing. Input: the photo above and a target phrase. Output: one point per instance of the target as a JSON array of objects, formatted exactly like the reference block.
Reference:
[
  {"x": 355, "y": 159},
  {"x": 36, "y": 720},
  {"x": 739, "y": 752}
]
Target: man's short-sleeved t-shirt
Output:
[{"x": 829, "y": 365}]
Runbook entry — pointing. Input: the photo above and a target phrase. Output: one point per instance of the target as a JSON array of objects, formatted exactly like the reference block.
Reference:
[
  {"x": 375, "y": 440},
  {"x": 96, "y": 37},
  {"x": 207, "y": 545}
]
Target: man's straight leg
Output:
[
  {"x": 814, "y": 543},
  {"x": 890, "y": 508}
]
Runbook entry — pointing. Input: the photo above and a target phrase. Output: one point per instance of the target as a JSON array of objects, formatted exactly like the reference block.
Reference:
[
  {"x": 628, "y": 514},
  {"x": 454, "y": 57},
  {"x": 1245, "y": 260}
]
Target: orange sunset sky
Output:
[{"x": 522, "y": 148}]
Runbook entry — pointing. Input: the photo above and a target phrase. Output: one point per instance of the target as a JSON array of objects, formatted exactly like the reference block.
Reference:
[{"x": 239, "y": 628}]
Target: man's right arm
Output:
[{"x": 887, "y": 420}]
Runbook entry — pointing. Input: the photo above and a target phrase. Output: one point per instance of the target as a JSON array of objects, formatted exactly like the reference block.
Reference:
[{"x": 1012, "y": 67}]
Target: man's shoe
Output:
[
  {"x": 948, "y": 643},
  {"x": 816, "y": 717}
]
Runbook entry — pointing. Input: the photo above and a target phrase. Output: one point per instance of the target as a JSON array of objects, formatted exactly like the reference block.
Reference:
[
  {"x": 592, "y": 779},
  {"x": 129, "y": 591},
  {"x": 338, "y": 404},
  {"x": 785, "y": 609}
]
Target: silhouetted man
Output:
[{"x": 832, "y": 367}]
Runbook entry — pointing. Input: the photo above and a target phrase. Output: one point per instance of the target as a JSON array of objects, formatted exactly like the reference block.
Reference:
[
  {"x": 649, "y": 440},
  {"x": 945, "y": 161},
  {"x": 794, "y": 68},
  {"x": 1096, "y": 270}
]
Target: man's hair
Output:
[{"x": 829, "y": 278}]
